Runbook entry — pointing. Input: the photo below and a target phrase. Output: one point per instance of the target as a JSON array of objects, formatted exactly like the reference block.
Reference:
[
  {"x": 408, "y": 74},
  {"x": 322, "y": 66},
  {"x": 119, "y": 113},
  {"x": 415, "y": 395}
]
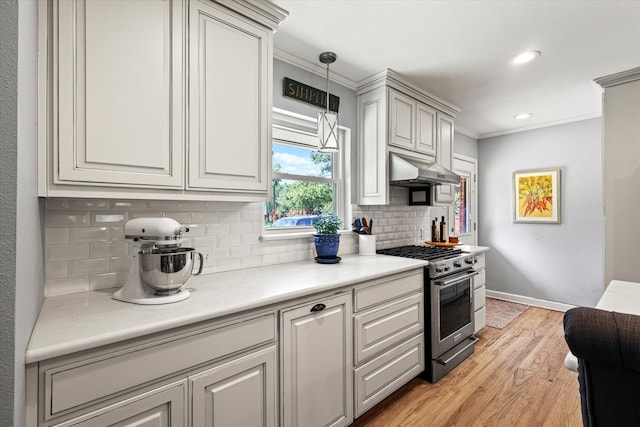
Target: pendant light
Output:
[{"x": 328, "y": 120}]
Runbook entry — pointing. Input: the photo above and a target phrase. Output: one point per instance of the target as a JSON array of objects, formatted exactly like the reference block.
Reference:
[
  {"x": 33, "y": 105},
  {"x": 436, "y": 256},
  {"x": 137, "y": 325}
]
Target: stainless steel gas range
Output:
[{"x": 448, "y": 290}]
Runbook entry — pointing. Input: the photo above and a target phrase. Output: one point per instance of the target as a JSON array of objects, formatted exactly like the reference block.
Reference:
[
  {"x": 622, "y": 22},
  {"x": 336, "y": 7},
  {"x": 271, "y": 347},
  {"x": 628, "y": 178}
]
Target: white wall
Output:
[
  {"x": 20, "y": 228},
  {"x": 622, "y": 180},
  {"x": 8, "y": 154},
  {"x": 556, "y": 262},
  {"x": 29, "y": 280}
]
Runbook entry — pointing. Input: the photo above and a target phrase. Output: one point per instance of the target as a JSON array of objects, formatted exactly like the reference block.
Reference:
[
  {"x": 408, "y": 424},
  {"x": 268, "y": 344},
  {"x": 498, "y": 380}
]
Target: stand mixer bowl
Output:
[{"x": 166, "y": 270}]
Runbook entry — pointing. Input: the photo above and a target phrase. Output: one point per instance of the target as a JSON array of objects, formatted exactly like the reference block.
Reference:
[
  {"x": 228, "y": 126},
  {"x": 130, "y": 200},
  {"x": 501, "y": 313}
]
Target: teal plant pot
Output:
[{"x": 327, "y": 245}]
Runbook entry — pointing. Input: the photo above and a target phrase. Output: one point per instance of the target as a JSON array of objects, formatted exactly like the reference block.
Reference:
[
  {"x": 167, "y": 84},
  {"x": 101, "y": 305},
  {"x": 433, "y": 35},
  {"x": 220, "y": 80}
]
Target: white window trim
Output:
[{"x": 288, "y": 126}]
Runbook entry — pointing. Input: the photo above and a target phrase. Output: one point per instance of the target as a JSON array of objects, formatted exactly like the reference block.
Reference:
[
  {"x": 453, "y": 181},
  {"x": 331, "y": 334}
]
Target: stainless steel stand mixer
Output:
[{"x": 160, "y": 267}]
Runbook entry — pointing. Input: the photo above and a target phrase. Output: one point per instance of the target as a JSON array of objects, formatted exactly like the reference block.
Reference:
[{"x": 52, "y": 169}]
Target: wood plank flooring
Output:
[{"x": 516, "y": 377}]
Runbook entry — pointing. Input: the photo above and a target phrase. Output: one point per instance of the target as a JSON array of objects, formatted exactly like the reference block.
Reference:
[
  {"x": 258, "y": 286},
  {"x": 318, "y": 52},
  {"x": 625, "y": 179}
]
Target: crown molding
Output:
[
  {"x": 466, "y": 132},
  {"x": 619, "y": 78},
  {"x": 542, "y": 125},
  {"x": 313, "y": 68}
]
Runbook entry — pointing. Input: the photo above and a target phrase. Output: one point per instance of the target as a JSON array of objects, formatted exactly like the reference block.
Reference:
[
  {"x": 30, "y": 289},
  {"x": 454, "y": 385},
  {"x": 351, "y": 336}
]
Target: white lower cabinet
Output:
[
  {"x": 388, "y": 337},
  {"x": 223, "y": 374},
  {"x": 479, "y": 294},
  {"x": 317, "y": 363},
  {"x": 241, "y": 392},
  {"x": 335, "y": 356},
  {"x": 164, "y": 407}
]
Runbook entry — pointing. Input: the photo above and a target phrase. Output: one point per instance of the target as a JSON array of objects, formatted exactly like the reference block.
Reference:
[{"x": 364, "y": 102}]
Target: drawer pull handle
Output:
[{"x": 318, "y": 307}]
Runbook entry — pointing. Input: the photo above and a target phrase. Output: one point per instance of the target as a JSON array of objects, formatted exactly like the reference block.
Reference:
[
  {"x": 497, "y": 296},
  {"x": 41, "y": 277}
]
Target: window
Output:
[
  {"x": 306, "y": 185},
  {"x": 461, "y": 207}
]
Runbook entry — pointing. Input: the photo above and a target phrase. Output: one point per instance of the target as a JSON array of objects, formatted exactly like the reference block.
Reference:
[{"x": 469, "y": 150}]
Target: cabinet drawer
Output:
[
  {"x": 480, "y": 280},
  {"x": 383, "y": 375},
  {"x": 479, "y": 298},
  {"x": 384, "y": 327},
  {"x": 480, "y": 319},
  {"x": 480, "y": 262},
  {"x": 72, "y": 385},
  {"x": 162, "y": 406},
  {"x": 388, "y": 288}
]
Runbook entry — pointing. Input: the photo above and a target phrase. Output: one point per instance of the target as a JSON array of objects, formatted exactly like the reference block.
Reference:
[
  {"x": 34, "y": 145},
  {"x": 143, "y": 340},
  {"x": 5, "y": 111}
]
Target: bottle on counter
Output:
[
  {"x": 434, "y": 231},
  {"x": 443, "y": 230}
]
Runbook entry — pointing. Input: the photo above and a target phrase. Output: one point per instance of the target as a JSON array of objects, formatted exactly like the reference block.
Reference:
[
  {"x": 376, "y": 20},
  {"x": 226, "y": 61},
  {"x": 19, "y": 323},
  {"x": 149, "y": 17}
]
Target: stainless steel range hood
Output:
[{"x": 411, "y": 173}]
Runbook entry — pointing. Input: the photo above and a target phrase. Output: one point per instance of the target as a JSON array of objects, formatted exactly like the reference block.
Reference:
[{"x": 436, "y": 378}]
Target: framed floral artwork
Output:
[{"x": 536, "y": 196}]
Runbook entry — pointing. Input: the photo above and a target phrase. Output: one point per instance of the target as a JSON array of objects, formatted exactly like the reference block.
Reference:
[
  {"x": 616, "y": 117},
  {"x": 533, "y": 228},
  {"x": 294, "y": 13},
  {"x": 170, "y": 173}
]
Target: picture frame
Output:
[{"x": 536, "y": 196}]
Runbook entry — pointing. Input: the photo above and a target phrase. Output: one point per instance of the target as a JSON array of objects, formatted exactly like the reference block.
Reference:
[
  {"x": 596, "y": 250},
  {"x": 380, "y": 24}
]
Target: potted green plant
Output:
[{"x": 327, "y": 239}]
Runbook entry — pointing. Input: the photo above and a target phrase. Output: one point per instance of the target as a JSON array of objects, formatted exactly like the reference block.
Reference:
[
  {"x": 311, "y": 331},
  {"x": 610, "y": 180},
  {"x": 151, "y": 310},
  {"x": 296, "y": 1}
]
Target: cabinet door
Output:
[
  {"x": 373, "y": 186},
  {"x": 118, "y": 99},
  {"x": 401, "y": 120},
  {"x": 425, "y": 129},
  {"x": 444, "y": 155},
  {"x": 317, "y": 364},
  {"x": 241, "y": 392},
  {"x": 163, "y": 407},
  {"x": 230, "y": 61}
]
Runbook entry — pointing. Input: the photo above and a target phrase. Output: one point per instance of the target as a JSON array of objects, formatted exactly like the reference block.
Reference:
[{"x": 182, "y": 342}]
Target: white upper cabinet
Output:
[
  {"x": 115, "y": 116},
  {"x": 402, "y": 119},
  {"x": 444, "y": 155},
  {"x": 230, "y": 76},
  {"x": 119, "y": 99},
  {"x": 395, "y": 116}
]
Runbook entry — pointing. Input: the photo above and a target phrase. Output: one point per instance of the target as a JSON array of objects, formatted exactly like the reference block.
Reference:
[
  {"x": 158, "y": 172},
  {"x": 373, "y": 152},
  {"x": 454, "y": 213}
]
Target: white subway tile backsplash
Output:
[
  {"x": 196, "y": 230},
  {"x": 229, "y": 240},
  {"x": 67, "y": 252},
  {"x": 146, "y": 214},
  {"x": 189, "y": 205},
  {"x": 85, "y": 246},
  {"x": 88, "y": 267},
  {"x": 66, "y": 286},
  {"x": 217, "y": 229},
  {"x": 105, "y": 250},
  {"x": 107, "y": 280},
  {"x": 67, "y": 219},
  {"x": 126, "y": 205},
  {"x": 109, "y": 218},
  {"x": 181, "y": 217},
  {"x": 89, "y": 234},
  {"x": 81, "y": 204},
  {"x": 56, "y": 236},
  {"x": 57, "y": 204},
  {"x": 119, "y": 264},
  {"x": 56, "y": 270},
  {"x": 167, "y": 205},
  {"x": 229, "y": 217},
  {"x": 204, "y": 217}
]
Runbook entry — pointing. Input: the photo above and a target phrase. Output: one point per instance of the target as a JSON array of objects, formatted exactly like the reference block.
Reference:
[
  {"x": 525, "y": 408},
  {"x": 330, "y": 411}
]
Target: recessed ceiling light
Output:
[
  {"x": 527, "y": 56},
  {"x": 522, "y": 116}
]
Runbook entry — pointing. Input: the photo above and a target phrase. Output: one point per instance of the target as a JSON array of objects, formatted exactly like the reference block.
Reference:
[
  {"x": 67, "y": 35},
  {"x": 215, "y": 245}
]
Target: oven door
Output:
[{"x": 451, "y": 311}]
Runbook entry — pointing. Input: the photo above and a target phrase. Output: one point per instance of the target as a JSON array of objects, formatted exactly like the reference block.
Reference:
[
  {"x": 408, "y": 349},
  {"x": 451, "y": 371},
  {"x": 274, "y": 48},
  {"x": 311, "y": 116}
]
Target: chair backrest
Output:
[{"x": 607, "y": 345}]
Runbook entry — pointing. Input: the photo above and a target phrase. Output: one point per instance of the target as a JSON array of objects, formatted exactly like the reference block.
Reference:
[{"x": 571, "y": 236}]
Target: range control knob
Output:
[
  {"x": 438, "y": 269},
  {"x": 457, "y": 264},
  {"x": 468, "y": 261},
  {"x": 447, "y": 268}
]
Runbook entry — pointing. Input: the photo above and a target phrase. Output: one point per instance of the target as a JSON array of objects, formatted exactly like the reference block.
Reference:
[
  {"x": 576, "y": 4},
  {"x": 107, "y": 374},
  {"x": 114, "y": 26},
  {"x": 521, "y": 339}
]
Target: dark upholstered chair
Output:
[{"x": 607, "y": 345}]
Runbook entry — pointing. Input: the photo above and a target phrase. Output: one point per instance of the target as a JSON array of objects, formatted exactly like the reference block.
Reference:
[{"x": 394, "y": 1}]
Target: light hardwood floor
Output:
[{"x": 516, "y": 377}]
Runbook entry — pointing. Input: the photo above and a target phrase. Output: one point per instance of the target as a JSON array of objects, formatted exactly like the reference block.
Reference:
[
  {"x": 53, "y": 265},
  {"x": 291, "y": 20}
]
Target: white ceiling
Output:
[{"x": 459, "y": 51}]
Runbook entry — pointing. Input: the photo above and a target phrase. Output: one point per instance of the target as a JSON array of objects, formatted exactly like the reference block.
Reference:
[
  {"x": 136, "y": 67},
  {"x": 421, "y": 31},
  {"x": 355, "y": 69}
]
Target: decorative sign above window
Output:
[{"x": 308, "y": 94}]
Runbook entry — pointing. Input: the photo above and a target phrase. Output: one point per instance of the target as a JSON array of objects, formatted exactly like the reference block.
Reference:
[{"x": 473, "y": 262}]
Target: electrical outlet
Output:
[{"x": 207, "y": 255}]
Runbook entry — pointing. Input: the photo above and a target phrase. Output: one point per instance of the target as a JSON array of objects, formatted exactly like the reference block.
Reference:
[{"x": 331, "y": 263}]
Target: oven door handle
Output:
[{"x": 457, "y": 279}]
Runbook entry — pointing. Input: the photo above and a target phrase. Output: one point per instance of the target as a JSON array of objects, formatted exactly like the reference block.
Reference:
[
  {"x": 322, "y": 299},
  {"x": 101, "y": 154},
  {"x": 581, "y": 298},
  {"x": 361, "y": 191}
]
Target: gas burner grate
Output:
[{"x": 420, "y": 252}]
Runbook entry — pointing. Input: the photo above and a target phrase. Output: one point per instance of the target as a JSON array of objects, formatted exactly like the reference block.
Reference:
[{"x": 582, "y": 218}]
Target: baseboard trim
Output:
[{"x": 535, "y": 302}]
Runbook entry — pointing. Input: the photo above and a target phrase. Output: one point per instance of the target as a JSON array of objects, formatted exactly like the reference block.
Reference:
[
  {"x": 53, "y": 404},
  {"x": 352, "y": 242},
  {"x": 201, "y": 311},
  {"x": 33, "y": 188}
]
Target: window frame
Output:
[{"x": 299, "y": 130}]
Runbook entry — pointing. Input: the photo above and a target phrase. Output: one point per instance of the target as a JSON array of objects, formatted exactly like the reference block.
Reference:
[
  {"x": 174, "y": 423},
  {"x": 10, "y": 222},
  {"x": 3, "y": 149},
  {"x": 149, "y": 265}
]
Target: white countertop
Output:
[
  {"x": 82, "y": 321},
  {"x": 475, "y": 250},
  {"x": 620, "y": 296}
]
